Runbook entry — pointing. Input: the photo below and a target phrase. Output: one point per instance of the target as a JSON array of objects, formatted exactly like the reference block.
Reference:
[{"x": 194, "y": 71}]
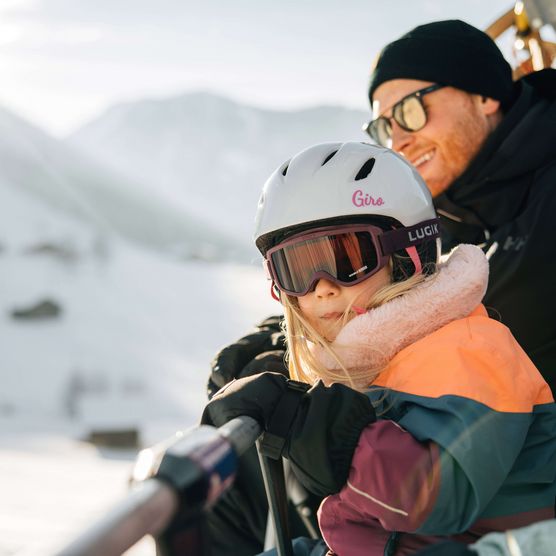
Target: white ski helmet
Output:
[{"x": 341, "y": 181}]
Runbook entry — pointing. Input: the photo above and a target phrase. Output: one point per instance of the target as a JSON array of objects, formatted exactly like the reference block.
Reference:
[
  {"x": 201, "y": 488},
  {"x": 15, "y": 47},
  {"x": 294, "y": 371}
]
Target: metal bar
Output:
[
  {"x": 241, "y": 432},
  {"x": 148, "y": 509},
  {"x": 541, "y": 12},
  {"x": 504, "y": 22},
  {"x": 151, "y": 505}
]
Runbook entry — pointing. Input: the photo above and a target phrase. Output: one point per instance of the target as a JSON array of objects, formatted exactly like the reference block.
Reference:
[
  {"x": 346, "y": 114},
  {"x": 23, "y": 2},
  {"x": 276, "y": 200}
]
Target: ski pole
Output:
[
  {"x": 299, "y": 497},
  {"x": 275, "y": 487},
  {"x": 190, "y": 475}
]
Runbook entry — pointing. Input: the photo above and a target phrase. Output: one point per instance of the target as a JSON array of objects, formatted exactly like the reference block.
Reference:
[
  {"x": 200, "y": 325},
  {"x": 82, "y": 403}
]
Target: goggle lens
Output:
[
  {"x": 346, "y": 255},
  {"x": 346, "y": 258}
]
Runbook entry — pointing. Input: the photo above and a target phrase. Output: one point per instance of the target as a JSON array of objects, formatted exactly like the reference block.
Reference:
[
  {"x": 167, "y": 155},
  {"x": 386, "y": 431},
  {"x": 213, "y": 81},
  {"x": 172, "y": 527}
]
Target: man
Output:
[
  {"x": 487, "y": 151},
  {"x": 442, "y": 95}
]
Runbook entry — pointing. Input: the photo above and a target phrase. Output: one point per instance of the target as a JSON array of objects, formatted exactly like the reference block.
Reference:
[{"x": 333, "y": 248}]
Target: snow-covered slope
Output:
[
  {"x": 209, "y": 153},
  {"x": 98, "y": 332},
  {"x": 126, "y": 333},
  {"x": 133, "y": 332},
  {"x": 54, "y": 487},
  {"x": 34, "y": 162}
]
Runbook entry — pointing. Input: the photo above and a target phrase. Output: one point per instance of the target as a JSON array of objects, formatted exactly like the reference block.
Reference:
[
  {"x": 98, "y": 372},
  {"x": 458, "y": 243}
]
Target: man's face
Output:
[{"x": 457, "y": 125}]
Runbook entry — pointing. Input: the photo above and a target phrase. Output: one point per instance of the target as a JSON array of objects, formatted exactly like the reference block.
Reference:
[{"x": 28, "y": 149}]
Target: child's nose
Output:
[{"x": 326, "y": 288}]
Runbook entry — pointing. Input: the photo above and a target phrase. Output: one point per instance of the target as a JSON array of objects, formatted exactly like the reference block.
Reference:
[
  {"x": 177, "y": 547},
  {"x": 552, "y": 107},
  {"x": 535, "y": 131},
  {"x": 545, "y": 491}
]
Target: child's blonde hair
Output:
[{"x": 305, "y": 367}]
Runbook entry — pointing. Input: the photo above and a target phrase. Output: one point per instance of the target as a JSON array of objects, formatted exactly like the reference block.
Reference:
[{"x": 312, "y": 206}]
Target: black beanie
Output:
[{"x": 449, "y": 52}]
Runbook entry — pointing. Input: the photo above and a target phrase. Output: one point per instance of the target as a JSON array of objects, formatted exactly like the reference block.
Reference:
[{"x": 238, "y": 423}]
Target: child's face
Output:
[{"x": 325, "y": 307}]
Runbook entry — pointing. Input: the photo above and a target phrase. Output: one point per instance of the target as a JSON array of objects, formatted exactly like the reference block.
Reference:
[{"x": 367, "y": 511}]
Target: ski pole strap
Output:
[{"x": 274, "y": 438}]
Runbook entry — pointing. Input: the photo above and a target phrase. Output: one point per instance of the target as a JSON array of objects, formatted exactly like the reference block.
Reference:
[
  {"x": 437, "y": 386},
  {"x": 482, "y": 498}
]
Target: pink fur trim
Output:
[{"x": 371, "y": 340}]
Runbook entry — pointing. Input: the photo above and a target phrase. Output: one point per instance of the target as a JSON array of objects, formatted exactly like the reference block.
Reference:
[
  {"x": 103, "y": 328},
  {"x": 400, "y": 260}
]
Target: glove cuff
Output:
[
  {"x": 278, "y": 427},
  {"x": 349, "y": 429}
]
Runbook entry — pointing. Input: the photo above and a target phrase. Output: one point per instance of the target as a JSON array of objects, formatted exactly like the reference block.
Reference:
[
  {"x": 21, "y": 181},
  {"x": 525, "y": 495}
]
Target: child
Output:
[{"x": 425, "y": 418}]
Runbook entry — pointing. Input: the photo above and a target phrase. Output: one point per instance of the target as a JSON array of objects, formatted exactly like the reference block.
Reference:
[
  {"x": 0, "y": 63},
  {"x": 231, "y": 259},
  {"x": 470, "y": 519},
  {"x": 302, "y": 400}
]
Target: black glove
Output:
[
  {"x": 258, "y": 352},
  {"x": 316, "y": 428}
]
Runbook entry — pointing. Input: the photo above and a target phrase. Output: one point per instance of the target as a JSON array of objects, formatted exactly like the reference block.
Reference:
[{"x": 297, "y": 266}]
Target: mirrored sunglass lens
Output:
[
  {"x": 411, "y": 114},
  {"x": 345, "y": 257},
  {"x": 371, "y": 130},
  {"x": 380, "y": 131},
  {"x": 384, "y": 132}
]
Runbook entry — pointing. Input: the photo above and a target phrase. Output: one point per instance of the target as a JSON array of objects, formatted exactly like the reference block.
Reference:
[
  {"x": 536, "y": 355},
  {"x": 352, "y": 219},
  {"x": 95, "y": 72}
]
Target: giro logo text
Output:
[
  {"x": 421, "y": 233},
  {"x": 361, "y": 199}
]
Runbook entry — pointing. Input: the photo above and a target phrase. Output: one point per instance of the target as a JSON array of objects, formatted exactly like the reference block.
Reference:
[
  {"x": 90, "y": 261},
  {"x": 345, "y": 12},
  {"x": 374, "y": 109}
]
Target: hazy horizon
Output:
[{"x": 64, "y": 62}]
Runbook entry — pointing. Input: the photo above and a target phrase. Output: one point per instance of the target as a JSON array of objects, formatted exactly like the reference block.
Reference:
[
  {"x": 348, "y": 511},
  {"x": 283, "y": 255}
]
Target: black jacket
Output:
[{"x": 506, "y": 200}]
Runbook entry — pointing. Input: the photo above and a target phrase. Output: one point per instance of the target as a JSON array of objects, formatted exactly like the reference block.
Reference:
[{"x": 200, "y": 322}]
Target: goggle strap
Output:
[
  {"x": 402, "y": 238},
  {"x": 275, "y": 292},
  {"x": 266, "y": 267},
  {"x": 415, "y": 259}
]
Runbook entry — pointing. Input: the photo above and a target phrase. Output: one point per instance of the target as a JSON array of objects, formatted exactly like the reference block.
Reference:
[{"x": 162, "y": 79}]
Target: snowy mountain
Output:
[
  {"x": 101, "y": 333},
  {"x": 92, "y": 323},
  {"x": 127, "y": 348},
  {"x": 97, "y": 334},
  {"x": 208, "y": 153},
  {"x": 45, "y": 167},
  {"x": 96, "y": 319}
]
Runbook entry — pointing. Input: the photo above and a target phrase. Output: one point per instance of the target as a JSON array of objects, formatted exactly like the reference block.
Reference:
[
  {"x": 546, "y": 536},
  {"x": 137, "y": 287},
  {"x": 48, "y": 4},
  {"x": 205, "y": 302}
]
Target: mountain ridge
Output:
[
  {"x": 196, "y": 147},
  {"x": 56, "y": 173}
]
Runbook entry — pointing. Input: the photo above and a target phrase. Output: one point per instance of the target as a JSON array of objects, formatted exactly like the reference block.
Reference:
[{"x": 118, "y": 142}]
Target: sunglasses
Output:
[
  {"x": 346, "y": 255},
  {"x": 409, "y": 113}
]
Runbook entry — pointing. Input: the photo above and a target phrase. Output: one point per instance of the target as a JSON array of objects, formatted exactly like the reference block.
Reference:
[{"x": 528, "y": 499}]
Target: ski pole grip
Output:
[
  {"x": 202, "y": 465},
  {"x": 241, "y": 432}
]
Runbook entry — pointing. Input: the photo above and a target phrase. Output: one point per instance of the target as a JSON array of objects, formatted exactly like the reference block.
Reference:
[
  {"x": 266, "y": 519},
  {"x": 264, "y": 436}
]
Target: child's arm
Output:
[
  {"x": 419, "y": 486},
  {"x": 393, "y": 478},
  {"x": 414, "y": 486}
]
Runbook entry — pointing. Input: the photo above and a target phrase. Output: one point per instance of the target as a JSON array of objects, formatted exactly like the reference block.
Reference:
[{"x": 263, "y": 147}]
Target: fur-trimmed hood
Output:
[{"x": 372, "y": 339}]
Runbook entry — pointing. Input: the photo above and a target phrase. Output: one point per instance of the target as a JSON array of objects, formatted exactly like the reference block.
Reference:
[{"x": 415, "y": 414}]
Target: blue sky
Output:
[{"x": 63, "y": 62}]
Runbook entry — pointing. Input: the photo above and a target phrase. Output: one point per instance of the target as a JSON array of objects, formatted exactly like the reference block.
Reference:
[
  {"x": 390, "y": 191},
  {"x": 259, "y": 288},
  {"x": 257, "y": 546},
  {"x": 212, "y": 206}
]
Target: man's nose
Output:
[
  {"x": 326, "y": 288},
  {"x": 400, "y": 137}
]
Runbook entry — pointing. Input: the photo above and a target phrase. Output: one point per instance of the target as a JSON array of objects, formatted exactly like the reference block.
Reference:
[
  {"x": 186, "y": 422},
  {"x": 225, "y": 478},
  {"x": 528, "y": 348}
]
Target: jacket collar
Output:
[
  {"x": 495, "y": 185},
  {"x": 371, "y": 340}
]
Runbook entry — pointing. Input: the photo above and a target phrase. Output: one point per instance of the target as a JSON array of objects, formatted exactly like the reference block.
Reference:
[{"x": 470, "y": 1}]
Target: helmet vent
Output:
[
  {"x": 365, "y": 170},
  {"x": 285, "y": 170},
  {"x": 329, "y": 157}
]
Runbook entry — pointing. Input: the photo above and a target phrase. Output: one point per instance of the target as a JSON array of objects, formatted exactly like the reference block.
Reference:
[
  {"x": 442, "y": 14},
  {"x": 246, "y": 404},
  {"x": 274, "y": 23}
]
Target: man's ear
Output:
[{"x": 489, "y": 105}]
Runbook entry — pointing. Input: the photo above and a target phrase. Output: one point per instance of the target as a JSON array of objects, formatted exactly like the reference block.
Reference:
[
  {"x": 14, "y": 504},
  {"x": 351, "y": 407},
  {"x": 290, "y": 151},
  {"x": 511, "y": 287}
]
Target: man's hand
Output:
[
  {"x": 316, "y": 428},
  {"x": 260, "y": 351}
]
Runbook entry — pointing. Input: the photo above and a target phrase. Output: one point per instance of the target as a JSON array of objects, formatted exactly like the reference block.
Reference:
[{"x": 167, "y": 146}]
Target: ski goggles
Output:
[
  {"x": 346, "y": 255},
  {"x": 409, "y": 113}
]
